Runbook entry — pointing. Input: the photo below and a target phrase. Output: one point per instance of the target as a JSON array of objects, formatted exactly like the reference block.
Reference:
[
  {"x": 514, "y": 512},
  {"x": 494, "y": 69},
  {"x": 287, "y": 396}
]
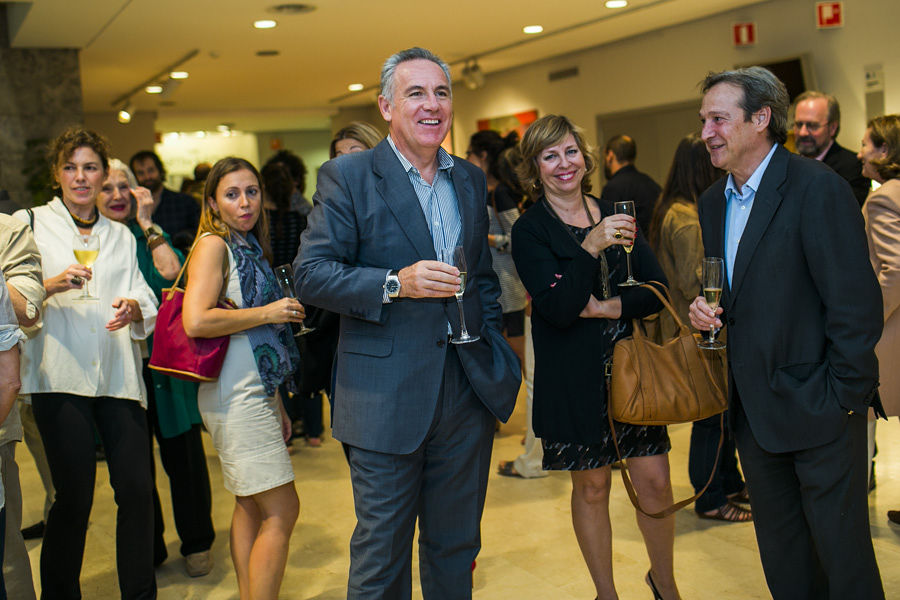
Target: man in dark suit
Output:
[
  {"x": 803, "y": 310},
  {"x": 624, "y": 182},
  {"x": 415, "y": 413},
  {"x": 817, "y": 121}
]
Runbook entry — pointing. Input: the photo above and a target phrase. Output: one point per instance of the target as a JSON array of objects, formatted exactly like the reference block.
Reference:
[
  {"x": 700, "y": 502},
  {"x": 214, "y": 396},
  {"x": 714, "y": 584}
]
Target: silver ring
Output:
[
  {"x": 618, "y": 235},
  {"x": 295, "y": 312}
]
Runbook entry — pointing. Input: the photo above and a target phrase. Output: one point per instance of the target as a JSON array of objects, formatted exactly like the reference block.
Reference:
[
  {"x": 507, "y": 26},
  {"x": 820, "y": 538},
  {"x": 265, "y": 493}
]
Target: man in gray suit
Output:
[{"x": 415, "y": 413}]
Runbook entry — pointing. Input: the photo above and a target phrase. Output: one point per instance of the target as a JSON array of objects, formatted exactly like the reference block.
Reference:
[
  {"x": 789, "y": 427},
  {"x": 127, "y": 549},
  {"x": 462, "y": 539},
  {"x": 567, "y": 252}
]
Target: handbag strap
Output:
[
  {"x": 632, "y": 493},
  {"x": 222, "y": 295},
  {"x": 666, "y": 301}
]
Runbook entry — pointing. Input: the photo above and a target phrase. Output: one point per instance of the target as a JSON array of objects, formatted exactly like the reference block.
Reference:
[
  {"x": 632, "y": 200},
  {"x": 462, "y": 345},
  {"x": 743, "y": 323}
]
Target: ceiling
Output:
[{"x": 126, "y": 42}]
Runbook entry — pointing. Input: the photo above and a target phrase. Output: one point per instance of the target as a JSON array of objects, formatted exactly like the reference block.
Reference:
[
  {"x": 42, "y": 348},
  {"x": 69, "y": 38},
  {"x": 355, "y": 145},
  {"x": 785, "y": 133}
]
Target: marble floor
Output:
[{"x": 529, "y": 549}]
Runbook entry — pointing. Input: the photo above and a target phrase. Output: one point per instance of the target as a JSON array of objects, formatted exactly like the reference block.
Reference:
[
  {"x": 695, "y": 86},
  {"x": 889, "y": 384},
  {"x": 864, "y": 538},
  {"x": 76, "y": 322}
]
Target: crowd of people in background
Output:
[{"x": 538, "y": 278}]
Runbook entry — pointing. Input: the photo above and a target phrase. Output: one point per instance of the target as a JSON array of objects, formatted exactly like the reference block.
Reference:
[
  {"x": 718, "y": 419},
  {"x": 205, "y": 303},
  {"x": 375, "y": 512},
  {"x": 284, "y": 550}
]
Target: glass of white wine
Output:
[
  {"x": 713, "y": 282},
  {"x": 457, "y": 257},
  {"x": 86, "y": 247},
  {"x": 627, "y": 208},
  {"x": 285, "y": 276}
]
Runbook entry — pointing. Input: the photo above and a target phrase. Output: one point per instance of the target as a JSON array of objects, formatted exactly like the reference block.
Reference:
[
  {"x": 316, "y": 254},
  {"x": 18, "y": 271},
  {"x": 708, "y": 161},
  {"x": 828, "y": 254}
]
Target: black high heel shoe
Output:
[{"x": 656, "y": 594}]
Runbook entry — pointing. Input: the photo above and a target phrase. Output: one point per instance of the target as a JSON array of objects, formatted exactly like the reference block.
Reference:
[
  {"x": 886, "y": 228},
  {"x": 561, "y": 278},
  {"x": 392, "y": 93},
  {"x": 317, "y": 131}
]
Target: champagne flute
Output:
[
  {"x": 457, "y": 257},
  {"x": 627, "y": 208},
  {"x": 713, "y": 282},
  {"x": 285, "y": 276},
  {"x": 86, "y": 247}
]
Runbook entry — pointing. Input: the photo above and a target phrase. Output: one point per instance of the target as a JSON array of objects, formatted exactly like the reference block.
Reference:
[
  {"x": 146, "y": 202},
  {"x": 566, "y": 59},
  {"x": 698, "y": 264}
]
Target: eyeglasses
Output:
[{"x": 811, "y": 126}]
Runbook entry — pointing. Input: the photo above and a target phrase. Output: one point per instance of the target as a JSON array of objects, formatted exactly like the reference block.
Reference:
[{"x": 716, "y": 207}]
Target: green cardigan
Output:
[{"x": 176, "y": 400}]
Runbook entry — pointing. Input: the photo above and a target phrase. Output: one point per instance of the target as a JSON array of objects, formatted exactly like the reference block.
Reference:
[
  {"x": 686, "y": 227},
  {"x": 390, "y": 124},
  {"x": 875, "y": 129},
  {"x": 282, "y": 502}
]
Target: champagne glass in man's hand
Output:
[
  {"x": 457, "y": 258},
  {"x": 285, "y": 276},
  {"x": 713, "y": 281}
]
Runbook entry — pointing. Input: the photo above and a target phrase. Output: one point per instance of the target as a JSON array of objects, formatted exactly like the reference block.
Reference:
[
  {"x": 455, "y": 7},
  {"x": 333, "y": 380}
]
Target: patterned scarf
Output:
[{"x": 273, "y": 345}]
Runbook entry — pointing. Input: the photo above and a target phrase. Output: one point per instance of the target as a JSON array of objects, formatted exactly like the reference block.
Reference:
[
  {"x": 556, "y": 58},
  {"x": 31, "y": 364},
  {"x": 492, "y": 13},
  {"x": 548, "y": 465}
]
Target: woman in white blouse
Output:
[{"x": 83, "y": 368}]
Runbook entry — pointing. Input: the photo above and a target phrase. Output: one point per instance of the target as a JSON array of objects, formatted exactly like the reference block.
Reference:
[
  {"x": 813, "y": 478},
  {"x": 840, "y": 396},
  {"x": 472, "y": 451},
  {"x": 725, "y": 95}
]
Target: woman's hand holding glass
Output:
[
  {"x": 285, "y": 310},
  {"x": 72, "y": 278},
  {"x": 613, "y": 230}
]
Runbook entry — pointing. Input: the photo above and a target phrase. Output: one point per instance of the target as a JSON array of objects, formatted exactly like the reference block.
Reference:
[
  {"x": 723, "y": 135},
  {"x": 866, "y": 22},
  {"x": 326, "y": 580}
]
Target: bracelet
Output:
[{"x": 154, "y": 241}]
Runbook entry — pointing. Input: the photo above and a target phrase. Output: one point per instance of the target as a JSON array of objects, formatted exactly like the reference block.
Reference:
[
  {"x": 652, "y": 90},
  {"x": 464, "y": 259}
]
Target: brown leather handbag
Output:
[{"x": 665, "y": 383}]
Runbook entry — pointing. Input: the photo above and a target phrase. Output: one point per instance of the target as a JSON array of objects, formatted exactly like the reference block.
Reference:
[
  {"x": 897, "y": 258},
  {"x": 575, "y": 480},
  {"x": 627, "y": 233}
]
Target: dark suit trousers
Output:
[
  {"x": 184, "y": 461},
  {"x": 705, "y": 435},
  {"x": 810, "y": 511},
  {"x": 442, "y": 483}
]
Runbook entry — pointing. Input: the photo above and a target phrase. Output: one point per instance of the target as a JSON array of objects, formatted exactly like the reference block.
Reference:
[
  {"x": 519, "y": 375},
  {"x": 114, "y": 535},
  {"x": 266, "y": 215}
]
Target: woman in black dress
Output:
[{"x": 568, "y": 252}]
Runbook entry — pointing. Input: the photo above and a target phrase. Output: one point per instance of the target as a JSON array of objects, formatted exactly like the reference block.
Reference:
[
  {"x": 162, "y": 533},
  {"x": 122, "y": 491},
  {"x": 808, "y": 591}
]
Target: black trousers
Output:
[
  {"x": 66, "y": 423},
  {"x": 184, "y": 461},
  {"x": 811, "y": 515},
  {"x": 705, "y": 435}
]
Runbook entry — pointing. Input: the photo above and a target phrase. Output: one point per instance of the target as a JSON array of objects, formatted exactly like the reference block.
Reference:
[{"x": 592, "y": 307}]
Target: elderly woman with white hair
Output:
[{"x": 172, "y": 413}]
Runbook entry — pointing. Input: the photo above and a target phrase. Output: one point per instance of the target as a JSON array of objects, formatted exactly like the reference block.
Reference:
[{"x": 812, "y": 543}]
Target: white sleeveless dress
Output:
[{"x": 242, "y": 420}]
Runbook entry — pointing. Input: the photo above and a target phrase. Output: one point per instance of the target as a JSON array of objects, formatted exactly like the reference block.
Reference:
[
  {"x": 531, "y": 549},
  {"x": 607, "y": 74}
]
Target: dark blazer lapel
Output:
[
  {"x": 765, "y": 203},
  {"x": 466, "y": 201},
  {"x": 395, "y": 189},
  {"x": 715, "y": 216}
]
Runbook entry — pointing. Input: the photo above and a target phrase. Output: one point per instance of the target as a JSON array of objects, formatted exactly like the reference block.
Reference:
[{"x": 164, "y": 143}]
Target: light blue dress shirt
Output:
[
  {"x": 438, "y": 201},
  {"x": 738, "y": 204}
]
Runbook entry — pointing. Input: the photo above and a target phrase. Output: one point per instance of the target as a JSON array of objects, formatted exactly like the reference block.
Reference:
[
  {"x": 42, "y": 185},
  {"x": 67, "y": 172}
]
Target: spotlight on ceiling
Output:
[
  {"x": 532, "y": 29},
  {"x": 616, "y": 3},
  {"x": 264, "y": 24},
  {"x": 154, "y": 89},
  {"x": 473, "y": 76},
  {"x": 125, "y": 112},
  {"x": 355, "y": 87},
  {"x": 178, "y": 74}
]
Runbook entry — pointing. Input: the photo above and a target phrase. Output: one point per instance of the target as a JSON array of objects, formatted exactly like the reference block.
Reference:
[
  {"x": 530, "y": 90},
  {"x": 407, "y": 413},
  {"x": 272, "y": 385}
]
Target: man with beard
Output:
[
  {"x": 176, "y": 214},
  {"x": 817, "y": 121},
  {"x": 625, "y": 182}
]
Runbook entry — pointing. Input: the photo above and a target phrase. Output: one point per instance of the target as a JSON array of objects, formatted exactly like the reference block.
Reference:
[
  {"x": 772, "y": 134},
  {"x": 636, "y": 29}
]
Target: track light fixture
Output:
[
  {"x": 125, "y": 112},
  {"x": 473, "y": 76}
]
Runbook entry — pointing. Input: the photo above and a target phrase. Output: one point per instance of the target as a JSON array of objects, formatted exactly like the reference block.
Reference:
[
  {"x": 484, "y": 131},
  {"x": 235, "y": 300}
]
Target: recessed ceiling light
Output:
[
  {"x": 264, "y": 24},
  {"x": 267, "y": 52},
  {"x": 355, "y": 87},
  {"x": 616, "y": 3},
  {"x": 532, "y": 29},
  {"x": 154, "y": 89},
  {"x": 178, "y": 74}
]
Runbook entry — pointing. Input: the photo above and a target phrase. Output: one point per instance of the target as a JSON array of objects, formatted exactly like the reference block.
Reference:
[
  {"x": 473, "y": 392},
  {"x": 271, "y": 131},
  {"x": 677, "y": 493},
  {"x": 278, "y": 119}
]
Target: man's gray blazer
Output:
[{"x": 390, "y": 357}]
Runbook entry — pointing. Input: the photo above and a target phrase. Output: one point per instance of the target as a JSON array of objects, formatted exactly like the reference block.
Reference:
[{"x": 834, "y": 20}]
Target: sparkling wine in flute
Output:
[
  {"x": 712, "y": 296},
  {"x": 462, "y": 284},
  {"x": 627, "y": 208},
  {"x": 86, "y": 248},
  {"x": 713, "y": 281},
  {"x": 456, "y": 256}
]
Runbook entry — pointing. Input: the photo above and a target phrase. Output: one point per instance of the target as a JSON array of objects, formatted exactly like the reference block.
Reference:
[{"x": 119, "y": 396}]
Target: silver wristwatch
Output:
[{"x": 392, "y": 284}]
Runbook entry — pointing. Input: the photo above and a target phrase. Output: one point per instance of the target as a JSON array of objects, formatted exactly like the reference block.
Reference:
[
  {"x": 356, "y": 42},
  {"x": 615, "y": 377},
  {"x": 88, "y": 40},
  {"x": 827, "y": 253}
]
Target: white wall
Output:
[
  {"x": 180, "y": 153},
  {"x": 664, "y": 67}
]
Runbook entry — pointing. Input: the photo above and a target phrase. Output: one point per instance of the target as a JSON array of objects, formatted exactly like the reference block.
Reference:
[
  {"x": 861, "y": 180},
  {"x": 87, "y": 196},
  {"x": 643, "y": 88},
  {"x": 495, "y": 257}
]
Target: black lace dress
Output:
[{"x": 570, "y": 408}]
